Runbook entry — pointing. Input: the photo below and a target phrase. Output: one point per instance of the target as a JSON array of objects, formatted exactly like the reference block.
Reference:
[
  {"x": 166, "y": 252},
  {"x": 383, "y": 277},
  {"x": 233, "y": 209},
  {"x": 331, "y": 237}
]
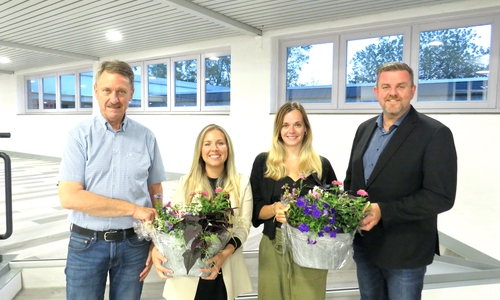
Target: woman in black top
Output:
[{"x": 291, "y": 153}]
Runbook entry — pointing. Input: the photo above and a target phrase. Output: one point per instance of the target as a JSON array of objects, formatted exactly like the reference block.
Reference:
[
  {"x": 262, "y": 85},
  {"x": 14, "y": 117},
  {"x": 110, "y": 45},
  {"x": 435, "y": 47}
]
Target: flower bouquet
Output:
[
  {"x": 189, "y": 235},
  {"x": 321, "y": 225}
]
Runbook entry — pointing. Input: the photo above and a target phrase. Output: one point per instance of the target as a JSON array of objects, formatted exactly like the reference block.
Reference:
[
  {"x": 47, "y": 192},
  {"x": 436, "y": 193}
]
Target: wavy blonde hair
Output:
[
  {"x": 309, "y": 160},
  {"x": 198, "y": 180}
]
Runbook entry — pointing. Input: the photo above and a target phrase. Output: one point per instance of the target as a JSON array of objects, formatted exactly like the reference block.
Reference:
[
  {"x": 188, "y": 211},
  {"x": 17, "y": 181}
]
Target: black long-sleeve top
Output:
[{"x": 266, "y": 191}]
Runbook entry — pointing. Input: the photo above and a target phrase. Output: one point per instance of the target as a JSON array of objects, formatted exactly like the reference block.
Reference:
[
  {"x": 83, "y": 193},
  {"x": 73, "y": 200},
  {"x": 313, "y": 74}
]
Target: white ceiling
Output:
[{"x": 38, "y": 33}]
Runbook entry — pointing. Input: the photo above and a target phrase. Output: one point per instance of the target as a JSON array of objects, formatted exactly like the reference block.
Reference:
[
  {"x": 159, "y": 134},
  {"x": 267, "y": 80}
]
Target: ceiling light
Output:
[
  {"x": 4, "y": 60},
  {"x": 114, "y": 35}
]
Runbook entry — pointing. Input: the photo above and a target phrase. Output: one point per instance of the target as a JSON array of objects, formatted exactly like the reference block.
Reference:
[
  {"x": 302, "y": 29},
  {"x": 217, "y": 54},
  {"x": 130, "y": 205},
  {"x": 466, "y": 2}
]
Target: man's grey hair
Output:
[{"x": 117, "y": 67}]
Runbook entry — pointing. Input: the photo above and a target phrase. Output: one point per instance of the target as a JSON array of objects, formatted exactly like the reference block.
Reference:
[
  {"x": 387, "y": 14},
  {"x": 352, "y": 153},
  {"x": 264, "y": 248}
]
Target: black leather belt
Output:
[{"x": 109, "y": 235}]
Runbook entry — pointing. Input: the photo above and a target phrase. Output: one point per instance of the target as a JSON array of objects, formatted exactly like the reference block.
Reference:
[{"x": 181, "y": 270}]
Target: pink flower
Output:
[
  {"x": 316, "y": 195},
  {"x": 204, "y": 193},
  {"x": 218, "y": 190},
  {"x": 362, "y": 193},
  {"x": 336, "y": 182},
  {"x": 302, "y": 176}
]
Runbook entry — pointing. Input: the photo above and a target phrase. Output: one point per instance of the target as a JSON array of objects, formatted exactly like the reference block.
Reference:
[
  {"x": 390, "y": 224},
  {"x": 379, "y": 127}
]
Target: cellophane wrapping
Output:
[
  {"x": 175, "y": 249},
  {"x": 327, "y": 253}
]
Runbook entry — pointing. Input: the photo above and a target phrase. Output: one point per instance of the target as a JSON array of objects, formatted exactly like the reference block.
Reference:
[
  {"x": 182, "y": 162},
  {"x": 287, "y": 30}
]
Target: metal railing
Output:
[{"x": 8, "y": 193}]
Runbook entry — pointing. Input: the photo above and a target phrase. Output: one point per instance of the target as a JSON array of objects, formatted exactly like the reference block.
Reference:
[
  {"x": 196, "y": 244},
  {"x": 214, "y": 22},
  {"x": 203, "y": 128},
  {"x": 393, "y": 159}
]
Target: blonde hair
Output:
[
  {"x": 198, "y": 180},
  {"x": 309, "y": 160}
]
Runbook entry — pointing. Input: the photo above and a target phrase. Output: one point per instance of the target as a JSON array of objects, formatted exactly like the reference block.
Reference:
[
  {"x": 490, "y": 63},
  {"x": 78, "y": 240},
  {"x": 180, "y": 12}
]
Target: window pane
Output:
[
  {"x": 136, "y": 99},
  {"x": 186, "y": 72},
  {"x": 32, "y": 93},
  {"x": 309, "y": 73},
  {"x": 49, "y": 92},
  {"x": 218, "y": 81},
  {"x": 67, "y": 91},
  {"x": 157, "y": 85},
  {"x": 86, "y": 89},
  {"x": 454, "y": 64},
  {"x": 364, "y": 56}
]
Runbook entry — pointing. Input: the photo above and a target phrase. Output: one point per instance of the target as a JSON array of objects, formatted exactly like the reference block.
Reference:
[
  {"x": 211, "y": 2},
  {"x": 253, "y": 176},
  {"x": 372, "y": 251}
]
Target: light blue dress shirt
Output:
[{"x": 116, "y": 164}]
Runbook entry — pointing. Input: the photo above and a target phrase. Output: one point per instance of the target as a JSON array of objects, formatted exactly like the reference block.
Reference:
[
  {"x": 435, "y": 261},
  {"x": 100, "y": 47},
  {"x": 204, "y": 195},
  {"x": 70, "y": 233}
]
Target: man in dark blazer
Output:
[{"x": 407, "y": 163}]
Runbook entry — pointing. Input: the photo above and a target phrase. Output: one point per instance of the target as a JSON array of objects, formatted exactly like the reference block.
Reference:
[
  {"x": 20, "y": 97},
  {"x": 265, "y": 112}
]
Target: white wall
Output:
[{"x": 249, "y": 124}]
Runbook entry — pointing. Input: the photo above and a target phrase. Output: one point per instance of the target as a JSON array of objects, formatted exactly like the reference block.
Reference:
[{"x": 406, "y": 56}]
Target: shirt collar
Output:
[
  {"x": 380, "y": 123},
  {"x": 105, "y": 124}
]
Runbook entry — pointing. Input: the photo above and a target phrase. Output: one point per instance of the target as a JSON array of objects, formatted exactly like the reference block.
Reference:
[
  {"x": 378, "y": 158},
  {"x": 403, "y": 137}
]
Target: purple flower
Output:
[
  {"x": 327, "y": 228},
  {"x": 311, "y": 242},
  {"x": 301, "y": 201},
  {"x": 321, "y": 234},
  {"x": 304, "y": 227},
  {"x": 307, "y": 210},
  {"x": 333, "y": 233},
  {"x": 325, "y": 213},
  {"x": 316, "y": 213}
]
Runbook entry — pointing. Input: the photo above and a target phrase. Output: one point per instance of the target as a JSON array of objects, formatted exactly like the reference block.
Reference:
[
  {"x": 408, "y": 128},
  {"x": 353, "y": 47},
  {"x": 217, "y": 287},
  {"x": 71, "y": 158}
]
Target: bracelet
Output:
[{"x": 272, "y": 206}]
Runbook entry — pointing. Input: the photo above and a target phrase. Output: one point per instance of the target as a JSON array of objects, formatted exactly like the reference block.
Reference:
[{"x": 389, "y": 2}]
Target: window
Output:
[
  {"x": 137, "y": 97},
  {"x": 86, "y": 89},
  {"x": 62, "y": 92},
  {"x": 67, "y": 91},
  {"x": 185, "y": 83},
  {"x": 309, "y": 71},
  {"x": 360, "y": 64},
  {"x": 452, "y": 62},
  {"x": 199, "y": 83},
  {"x": 33, "y": 102},
  {"x": 218, "y": 80},
  {"x": 49, "y": 92},
  {"x": 195, "y": 83},
  {"x": 157, "y": 84}
]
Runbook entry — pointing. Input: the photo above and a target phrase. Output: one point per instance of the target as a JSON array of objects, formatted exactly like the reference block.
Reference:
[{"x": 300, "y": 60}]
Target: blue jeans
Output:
[
  {"x": 378, "y": 283},
  {"x": 90, "y": 260}
]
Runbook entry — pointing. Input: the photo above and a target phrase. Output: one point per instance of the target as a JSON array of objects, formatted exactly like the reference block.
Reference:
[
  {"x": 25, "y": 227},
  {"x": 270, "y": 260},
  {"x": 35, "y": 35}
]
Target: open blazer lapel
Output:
[{"x": 404, "y": 129}]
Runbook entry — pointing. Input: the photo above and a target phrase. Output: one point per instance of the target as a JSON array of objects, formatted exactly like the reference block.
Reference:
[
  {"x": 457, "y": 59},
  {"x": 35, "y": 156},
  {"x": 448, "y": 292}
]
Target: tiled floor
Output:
[{"x": 41, "y": 235}]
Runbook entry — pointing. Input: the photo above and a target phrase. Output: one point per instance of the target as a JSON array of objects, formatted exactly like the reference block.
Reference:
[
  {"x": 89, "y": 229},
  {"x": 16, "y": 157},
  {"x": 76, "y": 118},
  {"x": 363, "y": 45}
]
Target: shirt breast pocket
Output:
[{"x": 137, "y": 166}]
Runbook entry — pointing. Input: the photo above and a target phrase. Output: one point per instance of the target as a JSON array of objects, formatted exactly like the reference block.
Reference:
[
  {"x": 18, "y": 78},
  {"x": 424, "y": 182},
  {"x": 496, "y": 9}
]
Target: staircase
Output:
[{"x": 10, "y": 279}]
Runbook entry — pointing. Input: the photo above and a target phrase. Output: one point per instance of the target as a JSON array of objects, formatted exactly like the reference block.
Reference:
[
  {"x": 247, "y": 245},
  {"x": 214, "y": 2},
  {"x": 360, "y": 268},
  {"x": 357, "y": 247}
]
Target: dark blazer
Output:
[
  {"x": 413, "y": 181},
  {"x": 263, "y": 190}
]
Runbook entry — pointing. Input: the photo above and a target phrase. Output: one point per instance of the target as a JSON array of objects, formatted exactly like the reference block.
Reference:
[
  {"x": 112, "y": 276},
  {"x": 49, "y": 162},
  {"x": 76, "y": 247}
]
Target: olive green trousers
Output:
[{"x": 282, "y": 279}]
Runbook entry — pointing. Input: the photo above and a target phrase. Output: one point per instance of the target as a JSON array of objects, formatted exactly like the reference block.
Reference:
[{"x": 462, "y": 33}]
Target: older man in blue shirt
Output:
[{"x": 110, "y": 171}]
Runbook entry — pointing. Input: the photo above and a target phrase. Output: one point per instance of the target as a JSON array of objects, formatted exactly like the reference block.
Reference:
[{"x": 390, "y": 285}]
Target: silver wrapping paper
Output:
[
  {"x": 327, "y": 253},
  {"x": 173, "y": 248}
]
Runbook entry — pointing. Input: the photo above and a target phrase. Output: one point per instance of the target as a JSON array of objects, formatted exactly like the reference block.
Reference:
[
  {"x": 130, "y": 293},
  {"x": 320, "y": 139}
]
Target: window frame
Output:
[
  {"x": 491, "y": 102},
  {"x": 202, "y": 88},
  {"x": 411, "y": 46},
  {"x": 375, "y": 33},
  {"x": 171, "y": 81},
  {"x": 58, "y": 109},
  {"x": 146, "y": 85},
  {"x": 282, "y": 69}
]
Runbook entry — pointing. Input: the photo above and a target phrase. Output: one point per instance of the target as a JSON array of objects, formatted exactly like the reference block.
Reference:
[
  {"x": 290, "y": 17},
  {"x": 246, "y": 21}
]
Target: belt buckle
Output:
[{"x": 106, "y": 235}]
